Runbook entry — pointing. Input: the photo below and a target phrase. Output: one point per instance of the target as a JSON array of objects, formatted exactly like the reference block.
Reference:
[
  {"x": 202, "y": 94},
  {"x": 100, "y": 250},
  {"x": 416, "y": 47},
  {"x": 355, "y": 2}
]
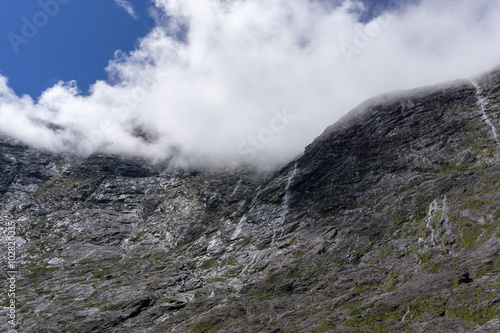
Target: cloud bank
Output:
[{"x": 253, "y": 81}]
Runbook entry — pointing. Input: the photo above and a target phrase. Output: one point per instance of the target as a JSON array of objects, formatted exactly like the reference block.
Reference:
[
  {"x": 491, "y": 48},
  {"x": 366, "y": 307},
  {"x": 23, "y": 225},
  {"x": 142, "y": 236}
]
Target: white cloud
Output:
[
  {"x": 127, "y": 6},
  {"x": 243, "y": 60}
]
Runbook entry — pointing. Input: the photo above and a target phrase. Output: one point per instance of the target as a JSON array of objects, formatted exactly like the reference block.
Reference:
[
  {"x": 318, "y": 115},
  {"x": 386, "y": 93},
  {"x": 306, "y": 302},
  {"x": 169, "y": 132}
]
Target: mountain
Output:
[{"x": 388, "y": 222}]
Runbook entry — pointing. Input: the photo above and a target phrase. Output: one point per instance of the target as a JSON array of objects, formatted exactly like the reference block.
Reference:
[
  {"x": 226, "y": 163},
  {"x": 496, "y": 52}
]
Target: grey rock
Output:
[{"x": 388, "y": 222}]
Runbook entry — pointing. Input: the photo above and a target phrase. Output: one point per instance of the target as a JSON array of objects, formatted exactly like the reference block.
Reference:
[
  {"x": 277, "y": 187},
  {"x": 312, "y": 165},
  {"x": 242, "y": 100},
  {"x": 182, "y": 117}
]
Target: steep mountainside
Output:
[{"x": 388, "y": 222}]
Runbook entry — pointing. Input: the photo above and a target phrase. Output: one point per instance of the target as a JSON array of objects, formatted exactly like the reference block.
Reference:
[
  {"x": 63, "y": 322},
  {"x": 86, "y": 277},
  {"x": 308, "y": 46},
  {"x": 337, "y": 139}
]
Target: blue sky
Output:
[
  {"x": 78, "y": 41},
  {"x": 75, "y": 44}
]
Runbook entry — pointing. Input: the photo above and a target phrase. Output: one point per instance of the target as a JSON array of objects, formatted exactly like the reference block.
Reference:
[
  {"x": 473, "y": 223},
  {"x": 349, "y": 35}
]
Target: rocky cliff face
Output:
[{"x": 388, "y": 222}]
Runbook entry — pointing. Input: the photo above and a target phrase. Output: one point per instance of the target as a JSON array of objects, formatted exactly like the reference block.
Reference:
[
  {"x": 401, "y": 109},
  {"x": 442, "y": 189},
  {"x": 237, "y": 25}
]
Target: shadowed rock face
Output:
[{"x": 388, "y": 222}]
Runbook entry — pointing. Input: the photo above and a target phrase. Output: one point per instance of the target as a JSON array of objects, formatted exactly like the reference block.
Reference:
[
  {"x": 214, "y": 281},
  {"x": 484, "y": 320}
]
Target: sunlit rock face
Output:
[{"x": 388, "y": 222}]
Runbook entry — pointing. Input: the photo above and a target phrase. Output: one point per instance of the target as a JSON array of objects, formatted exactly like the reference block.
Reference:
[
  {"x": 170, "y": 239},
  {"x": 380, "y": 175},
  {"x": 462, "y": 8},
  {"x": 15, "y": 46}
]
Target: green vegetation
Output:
[
  {"x": 427, "y": 304},
  {"x": 424, "y": 258},
  {"x": 378, "y": 318},
  {"x": 448, "y": 168},
  {"x": 393, "y": 280},
  {"x": 113, "y": 307},
  {"x": 201, "y": 327},
  {"x": 214, "y": 322},
  {"x": 209, "y": 263},
  {"x": 469, "y": 204},
  {"x": 371, "y": 284},
  {"x": 470, "y": 236},
  {"x": 326, "y": 326},
  {"x": 473, "y": 234},
  {"x": 492, "y": 266},
  {"x": 38, "y": 270},
  {"x": 245, "y": 241},
  {"x": 478, "y": 315},
  {"x": 298, "y": 254},
  {"x": 381, "y": 317},
  {"x": 429, "y": 265}
]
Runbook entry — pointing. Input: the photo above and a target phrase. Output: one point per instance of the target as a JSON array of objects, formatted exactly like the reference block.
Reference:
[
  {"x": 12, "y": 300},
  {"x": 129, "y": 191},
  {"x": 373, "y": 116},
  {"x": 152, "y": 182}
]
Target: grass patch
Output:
[
  {"x": 326, "y": 326},
  {"x": 427, "y": 304},
  {"x": 201, "y": 327},
  {"x": 471, "y": 204},
  {"x": 479, "y": 315},
  {"x": 210, "y": 263},
  {"x": 378, "y": 319}
]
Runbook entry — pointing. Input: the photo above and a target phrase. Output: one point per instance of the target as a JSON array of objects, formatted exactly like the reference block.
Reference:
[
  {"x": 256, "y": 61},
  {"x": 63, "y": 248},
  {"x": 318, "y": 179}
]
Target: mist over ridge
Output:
[{"x": 252, "y": 81}]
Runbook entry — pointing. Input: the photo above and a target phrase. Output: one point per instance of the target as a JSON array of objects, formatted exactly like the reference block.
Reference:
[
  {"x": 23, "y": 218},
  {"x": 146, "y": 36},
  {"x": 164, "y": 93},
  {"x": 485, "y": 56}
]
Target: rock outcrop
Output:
[{"x": 388, "y": 222}]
